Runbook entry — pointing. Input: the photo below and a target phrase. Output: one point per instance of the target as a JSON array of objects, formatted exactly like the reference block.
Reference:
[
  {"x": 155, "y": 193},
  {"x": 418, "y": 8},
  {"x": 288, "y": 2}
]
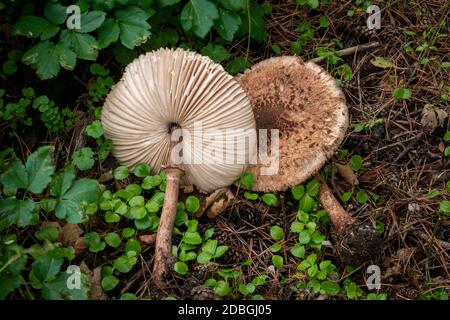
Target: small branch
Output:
[
  {"x": 349, "y": 51},
  {"x": 409, "y": 147}
]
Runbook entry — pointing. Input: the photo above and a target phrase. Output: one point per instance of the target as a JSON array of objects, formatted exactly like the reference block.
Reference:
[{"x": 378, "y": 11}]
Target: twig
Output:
[
  {"x": 409, "y": 147},
  {"x": 349, "y": 51}
]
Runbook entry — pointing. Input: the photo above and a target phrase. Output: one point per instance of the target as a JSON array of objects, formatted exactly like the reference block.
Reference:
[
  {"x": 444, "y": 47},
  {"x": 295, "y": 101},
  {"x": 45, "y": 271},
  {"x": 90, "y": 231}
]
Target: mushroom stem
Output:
[
  {"x": 338, "y": 216},
  {"x": 164, "y": 236}
]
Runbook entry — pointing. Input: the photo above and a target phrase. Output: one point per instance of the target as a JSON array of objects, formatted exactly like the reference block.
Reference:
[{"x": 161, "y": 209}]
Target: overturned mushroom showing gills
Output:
[
  {"x": 166, "y": 96},
  {"x": 304, "y": 103}
]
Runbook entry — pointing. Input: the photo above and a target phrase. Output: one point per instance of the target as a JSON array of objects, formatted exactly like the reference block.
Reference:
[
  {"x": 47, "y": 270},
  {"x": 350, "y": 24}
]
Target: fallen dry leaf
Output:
[
  {"x": 220, "y": 205},
  {"x": 148, "y": 239},
  {"x": 70, "y": 235},
  {"x": 347, "y": 173},
  {"x": 208, "y": 201},
  {"x": 432, "y": 117}
]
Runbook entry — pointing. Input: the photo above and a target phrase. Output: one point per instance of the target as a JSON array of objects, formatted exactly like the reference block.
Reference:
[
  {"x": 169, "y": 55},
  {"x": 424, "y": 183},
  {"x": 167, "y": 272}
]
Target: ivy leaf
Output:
[
  {"x": 227, "y": 24},
  {"x": 216, "y": 52},
  {"x": 84, "y": 45},
  {"x": 19, "y": 212},
  {"x": 198, "y": 16},
  {"x": 108, "y": 33},
  {"x": 55, "y": 12},
  {"x": 83, "y": 158},
  {"x": 33, "y": 27},
  {"x": 90, "y": 21},
  {"x": 134, "y": 29}
]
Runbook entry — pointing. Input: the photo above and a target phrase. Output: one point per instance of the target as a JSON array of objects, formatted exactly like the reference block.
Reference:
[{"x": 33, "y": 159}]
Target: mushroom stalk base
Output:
[
  {"x": 338, "y": 216},
  {"x": 162, "y": 261}
]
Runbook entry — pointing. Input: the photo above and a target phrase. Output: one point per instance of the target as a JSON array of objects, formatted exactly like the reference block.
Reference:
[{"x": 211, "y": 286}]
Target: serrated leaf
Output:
[
  {"x": 40, "y": 169},
  {"x": 83, "y": 158},
  {"x": 14, "y": 178},
  {"x": 216, "y": 52},
  {"x": 33, "y": 27},
  {"x": 95, "y": 129},
  {"x": 108, "y": 33},
  {"x": 84, "y": 45},
  {"x": 90, "y": 21},
  {"x": 55, "y": 12},
  {"x": 134, "y": 29},
  {"x": 45, "y": 58},
  {"x": 63, "y": 181},
  {"x": 227, "y": 24},
  {"x": 198, "y": 17},
  {"x": 19, "y": 212}
]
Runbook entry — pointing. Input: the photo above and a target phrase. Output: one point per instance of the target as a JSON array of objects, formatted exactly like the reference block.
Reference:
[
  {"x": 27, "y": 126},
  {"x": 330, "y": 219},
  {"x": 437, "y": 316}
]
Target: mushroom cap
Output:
[
  {"x": 168, "y": 88},
  {"x": 303, "y": 101}
]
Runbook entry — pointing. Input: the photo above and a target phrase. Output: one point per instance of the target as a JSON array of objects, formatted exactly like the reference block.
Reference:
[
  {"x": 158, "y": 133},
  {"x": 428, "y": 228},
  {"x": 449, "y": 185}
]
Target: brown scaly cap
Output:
[{"x": 303, "y": 101}]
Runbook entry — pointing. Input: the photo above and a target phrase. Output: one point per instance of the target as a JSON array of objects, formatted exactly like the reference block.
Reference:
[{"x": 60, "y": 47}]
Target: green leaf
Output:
[
  {"x": 227, "y": 24},
  {"x": 198, "y": 17},
  {"x": 402, "y": 94},
  {"x": 277, "y": 261},
  {"x": 237, "y": 65},
  {"x": 83, "y": 158},
  {"x": 40, "y": 169},
  {"x": 45, "y": 269},
  {"x": 14, "y": 178},
  {"x": 193, "y": 238},
  {"x": 222, "y": 288},
  {"x": 247, "y": 179},
  {"x": 276, "y": 233},
  {"x": 46, "y": 58},
  {"x": 307, "y": 203},
  {"x": 63, "y": 181},
  {"x": 216, "y": 52},
  {"x": 133, "y": 245},
  {"x": 444, "y": 207},
  {"x": 150, "y": 182},
  {"x": 298, "y": 191},
  {"x": 19, "y": 212},
  {"x": 323, "y": 22},
  {"x": 112, "y": 239},
  {"x": 346, "y": 196},
  {"x": 233, "y": 5},
  {"x": 128, "y": 296},
  {"x": 95, "y": 129},
  {"x": 134, "y": 29},
  {"x": 55, "y": 12},
  {"x": 33, "y": 27},
  {"x": 180, "y": 268},
  {"x": 142, "y": 170},
  {"x": 447, "y": 151},
  {"x": 9, "y": 67},
  {"x": 58, "y": 289},
  {"x": 361, "y": 196},
  {"x": 69, "y": 206},
  {"x": 257, "y": 30},
  {"x": 312, "y": 188},
  {"x": 90, "y": 21},
  {"x": 247, "y": 289},
  {"x": 8, "y": 284},
  {"x": 270, "y": 199},
  {"x": 204, "y": 257},
  {"x": 251, "y": 196},
  {"x": 330, "y": 288},
  {"x": 121, "y": 173},
  {"x": 108, "y": 33},
  {"x": 84, "y": 45},
  {"x": 304, "y": 237},
  {"x": 298, "y": 251},
  {"x": 192, "y": 204},
  {"x": 356, "y": 162},
  {"x": 109, "y": 282},
  {"x": 125, "y": 263},
  {"x": 47, "y": 233}
]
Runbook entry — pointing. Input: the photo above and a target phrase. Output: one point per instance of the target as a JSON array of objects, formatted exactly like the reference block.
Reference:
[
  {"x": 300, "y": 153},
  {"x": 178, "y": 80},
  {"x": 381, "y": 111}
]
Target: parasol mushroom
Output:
[
  {"x": 303, "y": 101},
  {"x": 166, "y": 96}
]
